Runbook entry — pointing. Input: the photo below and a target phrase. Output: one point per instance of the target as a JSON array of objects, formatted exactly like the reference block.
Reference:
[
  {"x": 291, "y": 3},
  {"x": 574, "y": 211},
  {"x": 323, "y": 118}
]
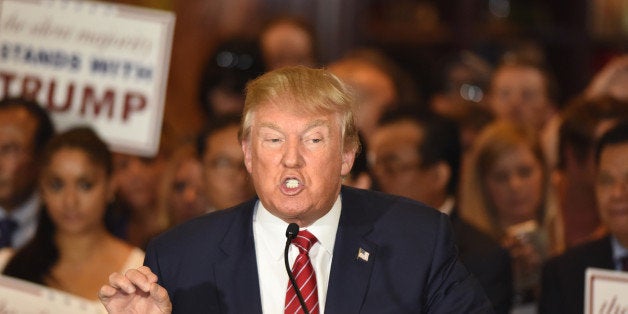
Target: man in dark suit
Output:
[
  {"x": 418, "y": 156},
  {"x": 390, "y": 254},
  {"x": 563, "y": 282},
  {"x": 25, "y": 128}
]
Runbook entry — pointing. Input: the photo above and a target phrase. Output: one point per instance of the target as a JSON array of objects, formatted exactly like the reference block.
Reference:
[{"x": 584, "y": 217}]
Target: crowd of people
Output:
[{"x": 534, "y": 191}]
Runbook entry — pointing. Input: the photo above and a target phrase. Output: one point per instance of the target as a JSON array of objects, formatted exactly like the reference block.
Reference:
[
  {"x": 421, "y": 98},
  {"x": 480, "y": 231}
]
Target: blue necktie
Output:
[{"x": 7, "y": 228}]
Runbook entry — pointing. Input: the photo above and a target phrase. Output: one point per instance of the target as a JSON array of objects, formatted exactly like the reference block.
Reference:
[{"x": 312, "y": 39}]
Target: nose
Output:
[
  {"x": 515, "y": 182},
  {"x": 292, "y": 157},
  {"x": 70, "y": 198}
]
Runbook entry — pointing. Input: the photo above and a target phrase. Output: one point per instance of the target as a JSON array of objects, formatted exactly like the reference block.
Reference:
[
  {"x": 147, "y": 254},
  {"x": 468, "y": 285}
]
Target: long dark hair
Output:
[{"x": 34, "y": 261}]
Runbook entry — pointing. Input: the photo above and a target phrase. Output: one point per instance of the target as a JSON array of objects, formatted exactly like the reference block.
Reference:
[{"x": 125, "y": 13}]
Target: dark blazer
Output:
[
  {"x": 487, "y": 261},
  {"x": 208, "y": 264},
  {"x": 563, "y": 281}
]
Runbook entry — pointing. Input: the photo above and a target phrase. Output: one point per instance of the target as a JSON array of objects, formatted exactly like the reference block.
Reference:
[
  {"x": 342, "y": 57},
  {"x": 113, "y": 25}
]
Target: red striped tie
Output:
[{"x": 304, "y": 276}]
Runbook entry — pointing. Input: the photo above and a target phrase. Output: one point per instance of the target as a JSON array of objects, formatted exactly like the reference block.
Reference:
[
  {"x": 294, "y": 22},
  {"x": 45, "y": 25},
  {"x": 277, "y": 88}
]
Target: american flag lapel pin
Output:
[{"x": 363, "y": 255}]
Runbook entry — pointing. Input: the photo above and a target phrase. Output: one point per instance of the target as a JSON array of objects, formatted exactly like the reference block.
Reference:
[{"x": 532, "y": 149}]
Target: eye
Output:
[
  {"x": 605, "y": 180},
  {"x": 500, "y": 176},
  {"x": 54, "y": 184},
  {"x": 525, "y": 172},
  {"x": 85, "y": 185},
  {"x": 179, "y": 186}
]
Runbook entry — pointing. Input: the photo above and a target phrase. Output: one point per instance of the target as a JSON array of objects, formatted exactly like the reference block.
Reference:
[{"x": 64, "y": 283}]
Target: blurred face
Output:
[
  {"x": 396, "y": 161},
  {"x": 188, "y": 191},
  {"x": 296, "y": 162},
  {"x": 515, "y": 185},
  {"x": 226, "y": 179},
  {"x": 375, "y": 93},
  {"x": 75, "y": 191},
  {"x": 612, "y": 190},
  {"x": 136, "y": 180},
  {"x": 17, "y": 169},
  {"x": 519, "y": 94},
  {"x": 285, "y": 45}
]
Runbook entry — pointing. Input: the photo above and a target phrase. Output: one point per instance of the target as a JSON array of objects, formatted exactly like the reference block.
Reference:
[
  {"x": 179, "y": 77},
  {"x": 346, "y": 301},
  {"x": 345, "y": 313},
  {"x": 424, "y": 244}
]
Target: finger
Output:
[
  {"x": 138, "y": 279},
  {"x": 119, "y": 281},
  {"x": 106, "y": 292},
  {"x": 160, "y": 295},
  {"x": 148, "y": 273}
]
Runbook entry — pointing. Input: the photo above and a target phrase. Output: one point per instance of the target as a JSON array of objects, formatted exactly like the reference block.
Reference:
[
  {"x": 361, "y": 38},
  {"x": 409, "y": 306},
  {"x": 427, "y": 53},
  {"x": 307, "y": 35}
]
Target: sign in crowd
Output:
[{"x": 90, "y": 63}]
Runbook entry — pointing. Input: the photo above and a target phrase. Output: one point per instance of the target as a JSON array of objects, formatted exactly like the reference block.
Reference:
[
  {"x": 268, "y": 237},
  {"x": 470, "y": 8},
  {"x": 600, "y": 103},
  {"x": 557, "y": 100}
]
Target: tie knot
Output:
[{"x": 304, "y": 241}]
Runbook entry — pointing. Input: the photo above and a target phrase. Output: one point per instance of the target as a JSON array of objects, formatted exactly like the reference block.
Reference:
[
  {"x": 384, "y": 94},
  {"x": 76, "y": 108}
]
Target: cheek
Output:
[{"x": 495, "y": 189}]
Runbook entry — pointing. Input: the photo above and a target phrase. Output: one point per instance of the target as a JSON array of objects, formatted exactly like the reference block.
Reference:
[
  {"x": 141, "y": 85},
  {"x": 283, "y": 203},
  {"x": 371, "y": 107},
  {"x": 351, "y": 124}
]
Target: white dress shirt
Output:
[
  {"x": 26, "y": 217},
  {"x": 269, "y": 233}
]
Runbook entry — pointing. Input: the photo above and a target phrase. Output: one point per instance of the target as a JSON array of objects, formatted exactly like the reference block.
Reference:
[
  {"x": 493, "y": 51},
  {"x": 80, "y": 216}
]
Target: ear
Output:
[
  {"x": 347, "y": 161},
  {"x": 441, "y": 176},
  {"x": 246, "y": 149}
]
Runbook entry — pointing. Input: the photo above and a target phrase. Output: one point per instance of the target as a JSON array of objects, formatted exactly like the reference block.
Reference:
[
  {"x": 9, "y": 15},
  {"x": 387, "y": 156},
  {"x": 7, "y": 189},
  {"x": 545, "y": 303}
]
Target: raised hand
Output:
[{"x": 135, "y": 291}]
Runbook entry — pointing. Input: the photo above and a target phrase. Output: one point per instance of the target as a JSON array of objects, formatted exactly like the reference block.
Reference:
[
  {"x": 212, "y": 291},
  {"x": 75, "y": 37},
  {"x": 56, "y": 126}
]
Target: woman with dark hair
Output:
[{"x": 72, "y": 249}]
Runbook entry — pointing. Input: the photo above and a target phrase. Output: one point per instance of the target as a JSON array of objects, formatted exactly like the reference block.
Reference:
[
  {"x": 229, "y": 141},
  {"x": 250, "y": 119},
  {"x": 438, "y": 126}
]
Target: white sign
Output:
[
  {"x": 90, "y": 63},
  {"x": 23, "y": 297},
  {"x": 606, "y": 291}
]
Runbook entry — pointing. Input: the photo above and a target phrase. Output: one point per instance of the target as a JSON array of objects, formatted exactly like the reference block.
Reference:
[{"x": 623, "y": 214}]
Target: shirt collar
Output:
[
  {"x": 448, "y": 206},
  {"x": 275, "y": 229},
  {"x": 619, "y": 251},
  {"x": 24, "y": 213}
]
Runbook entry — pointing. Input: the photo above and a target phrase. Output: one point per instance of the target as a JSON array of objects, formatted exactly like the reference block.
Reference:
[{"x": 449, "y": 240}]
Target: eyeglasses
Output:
[
  {"x": 225, "y": 165},
  {"x": 393, "y": 166}
]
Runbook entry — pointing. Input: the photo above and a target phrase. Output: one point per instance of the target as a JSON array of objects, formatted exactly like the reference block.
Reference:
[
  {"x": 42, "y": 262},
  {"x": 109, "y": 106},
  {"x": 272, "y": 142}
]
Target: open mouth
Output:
[
  {"x": 291, "y": 186},
  {"x": 292, "y": 183}
]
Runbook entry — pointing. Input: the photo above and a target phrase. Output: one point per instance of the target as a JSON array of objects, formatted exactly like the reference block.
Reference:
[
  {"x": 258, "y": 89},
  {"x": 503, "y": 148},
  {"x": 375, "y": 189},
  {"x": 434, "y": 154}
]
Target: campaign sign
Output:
[
  {"x": 23, "y": 297},
  {"x": 606, "y": 291},
  {"x": 90, "y": 63}
]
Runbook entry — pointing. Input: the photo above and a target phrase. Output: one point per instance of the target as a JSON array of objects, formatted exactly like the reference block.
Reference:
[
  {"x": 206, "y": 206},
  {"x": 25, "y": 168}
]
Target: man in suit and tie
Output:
[
  {"x": 365, "y": 252},
  {"x": 563, "y": 282},
  {"x": 418, "y": 156},
  {"x": 25, "y": 128}
]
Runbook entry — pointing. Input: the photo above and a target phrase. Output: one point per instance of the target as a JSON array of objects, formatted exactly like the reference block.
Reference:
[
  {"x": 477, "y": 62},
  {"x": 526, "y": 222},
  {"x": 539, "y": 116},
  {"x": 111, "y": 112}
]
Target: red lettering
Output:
[
  {"x": 31, "y": 86},
  {"x": 89, "y": 99},
  {"x": 132, "y": 102},
  {"x": 6, "y": 78},
  {"x": 51, "y": 106}
]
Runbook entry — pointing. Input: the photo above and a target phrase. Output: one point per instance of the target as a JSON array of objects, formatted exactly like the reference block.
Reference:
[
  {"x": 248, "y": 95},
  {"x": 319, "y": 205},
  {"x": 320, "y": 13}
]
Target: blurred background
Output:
[{"x": 575, "y": 36}]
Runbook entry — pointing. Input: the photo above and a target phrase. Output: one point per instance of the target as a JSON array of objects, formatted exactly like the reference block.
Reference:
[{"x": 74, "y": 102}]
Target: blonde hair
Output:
[
  {"x": 312, "y": 91},
  {"x": 475, "y": 205}
]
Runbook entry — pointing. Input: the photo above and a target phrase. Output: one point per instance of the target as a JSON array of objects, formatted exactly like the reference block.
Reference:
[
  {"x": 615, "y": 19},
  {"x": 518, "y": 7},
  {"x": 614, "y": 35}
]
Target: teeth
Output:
[{"x": 292, "y": 183}]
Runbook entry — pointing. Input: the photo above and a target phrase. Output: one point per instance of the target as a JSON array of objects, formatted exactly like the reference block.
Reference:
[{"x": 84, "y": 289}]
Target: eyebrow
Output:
[{"x": 311, "y": 125}]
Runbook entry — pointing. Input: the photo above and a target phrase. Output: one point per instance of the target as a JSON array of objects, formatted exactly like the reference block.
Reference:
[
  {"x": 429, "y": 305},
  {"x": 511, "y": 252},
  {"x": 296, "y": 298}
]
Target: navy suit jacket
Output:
[
  {"x": 563, "y": 281},
  {"x": 487, "y": 261},
  {"x": 208, "y": 265}
]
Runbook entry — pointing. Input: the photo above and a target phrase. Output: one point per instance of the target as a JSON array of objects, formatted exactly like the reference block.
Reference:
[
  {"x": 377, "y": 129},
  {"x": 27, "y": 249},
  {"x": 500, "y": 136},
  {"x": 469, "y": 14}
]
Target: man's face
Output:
[
  {"x": 396, "y": 161},
  {"x": 519, "y": 94},
  {"x": 17, "y": 169},
  {"x": 136, "y": 179},
  {"x": 285, "y": 45},
  {"x": 227, "y": 183},
  {"x": 374, "y": 90},
  {"x": 296, "y": 162},
  {"x": 612, "y": 189}
]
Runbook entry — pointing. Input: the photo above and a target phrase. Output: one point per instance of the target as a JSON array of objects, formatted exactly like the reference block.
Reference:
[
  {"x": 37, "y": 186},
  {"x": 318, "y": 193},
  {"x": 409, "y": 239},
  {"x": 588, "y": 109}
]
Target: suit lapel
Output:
[
  {"x": 354, "y": 257},
  {"x": 604, "y": 257},
  {"x": 236, "y": 274}
]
